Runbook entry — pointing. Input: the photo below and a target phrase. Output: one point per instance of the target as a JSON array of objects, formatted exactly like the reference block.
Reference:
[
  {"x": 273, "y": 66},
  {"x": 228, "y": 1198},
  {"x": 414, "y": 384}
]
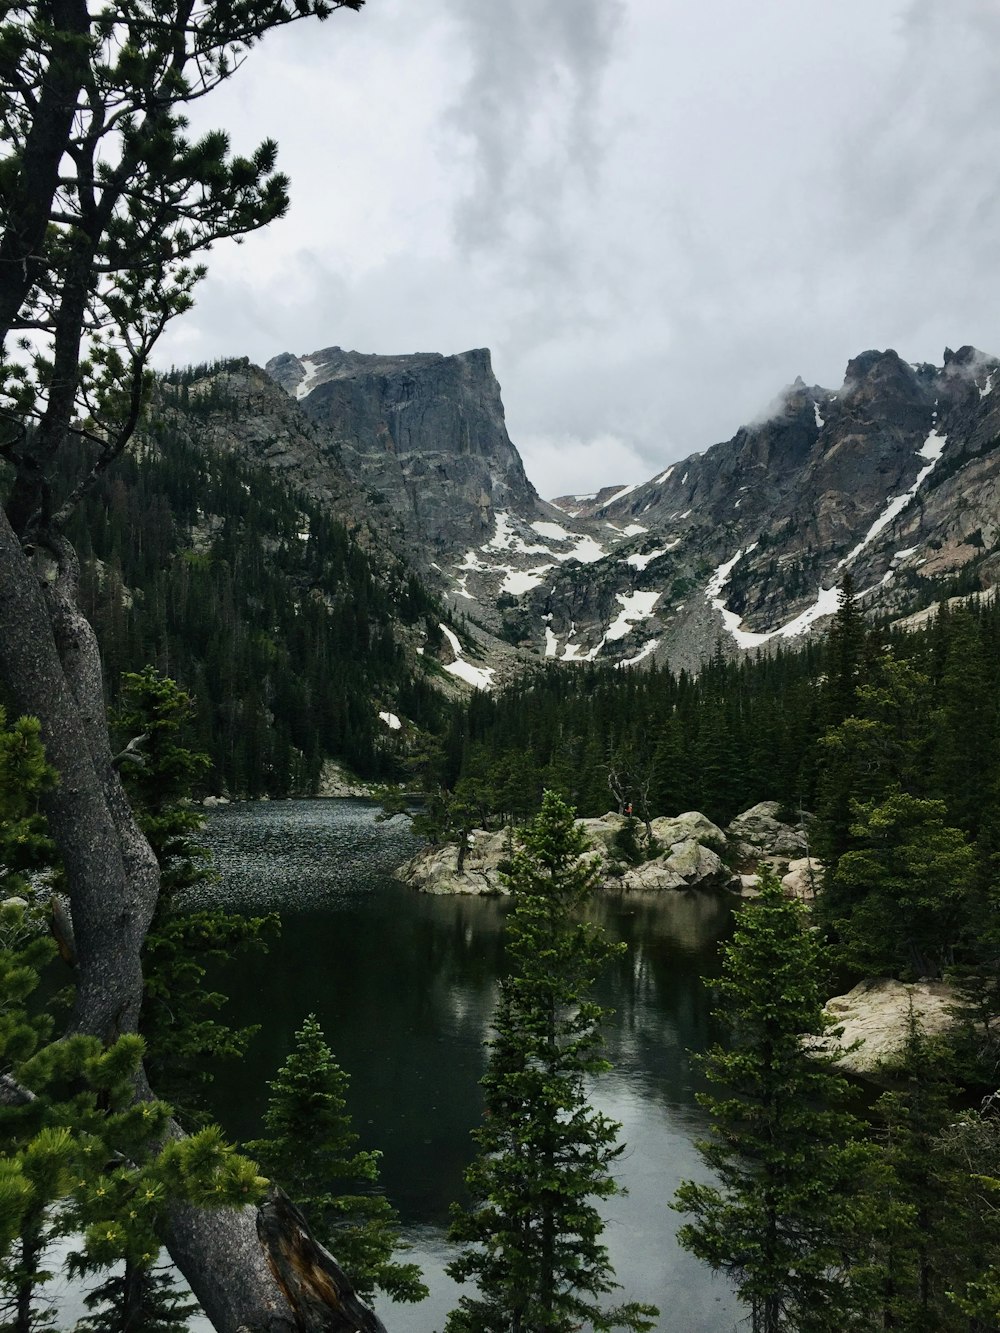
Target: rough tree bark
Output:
[
  {"x": 49, "y": 664},
  {"x": 49, "y": 661}
]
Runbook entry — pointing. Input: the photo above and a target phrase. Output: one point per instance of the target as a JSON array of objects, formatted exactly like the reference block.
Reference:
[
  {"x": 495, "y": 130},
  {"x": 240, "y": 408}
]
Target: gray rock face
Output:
[
  {"x": 759, "y": 833},
  {"x": 687, "y": 865},
  {"x": 436, "y": 869},
  {"x": 426, "y": 432},
  {"x": 894, "y": 477},
  {"x": 876, "y": 1014},
  {"x": 685, "y": 862}
]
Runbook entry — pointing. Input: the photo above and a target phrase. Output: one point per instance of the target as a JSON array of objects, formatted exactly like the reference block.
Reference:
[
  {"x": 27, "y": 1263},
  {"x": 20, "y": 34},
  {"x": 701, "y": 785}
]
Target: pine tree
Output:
[
  {"x": 901, "y": 895},
  {"x": 531, "y": 1231},
  {"x": 784, "y": 1218},
  {"x": 920, "y": 1234},
  {"x": 312, "y": 1153},
  {"x": 185, "y": 1041}
]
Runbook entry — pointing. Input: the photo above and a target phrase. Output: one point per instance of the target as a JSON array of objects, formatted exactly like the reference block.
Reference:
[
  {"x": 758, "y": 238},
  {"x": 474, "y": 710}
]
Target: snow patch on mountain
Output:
[
  {"x": 518, "y": 581},
  {"x": 620, "y": 495},
  {"x": 635, "y": 606},
  {"x": 826, "y": 603},
  {"x": 931, "y": 449},
  {"x": 308, "y": 381},
  {"x": 479, "y": 677},
  {"x": 586, "y": 550},
  {"x": 554, "y": 531},
  {"x": 641, "y": 561},
  {"x": 506, "y": 539},
  {"x": 641, "y": 655}
]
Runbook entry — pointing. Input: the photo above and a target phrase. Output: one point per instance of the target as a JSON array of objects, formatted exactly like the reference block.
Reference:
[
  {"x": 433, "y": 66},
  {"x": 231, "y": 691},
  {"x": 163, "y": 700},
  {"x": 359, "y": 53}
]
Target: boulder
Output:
[
  {"x": 602, "y": 832},
  {"x": 684, "y": 860},
  {"x": 804, "y": 879},
  {"x": 687, "y": 865},
  {"x": 876, "y": 1014},
  {"x": 435, "y": 869},
  {"x": 337, "y": 781},
  {"x": 690, "y": 825},
  {"x": 758, "y": 832}
]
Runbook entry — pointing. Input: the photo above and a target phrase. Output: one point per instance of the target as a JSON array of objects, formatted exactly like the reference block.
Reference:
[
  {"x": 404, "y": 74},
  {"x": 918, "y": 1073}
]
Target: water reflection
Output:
[{"x": 405, "y": 985}]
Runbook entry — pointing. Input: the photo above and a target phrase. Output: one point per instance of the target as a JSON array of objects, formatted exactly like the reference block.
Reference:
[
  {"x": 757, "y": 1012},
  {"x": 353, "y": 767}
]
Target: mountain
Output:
[
  {"x": 322, "y": 550},
  {"x": 230, "y": 549},
  {"x": 893, "y": 478},
  {"x": 424, "y": 434}
]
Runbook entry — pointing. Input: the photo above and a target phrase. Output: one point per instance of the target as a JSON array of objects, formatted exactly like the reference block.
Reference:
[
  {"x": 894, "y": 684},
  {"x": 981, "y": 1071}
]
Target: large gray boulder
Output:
[
  {"x": 687, "y": 865},
  {"x": 683, "y": 862},
  {"x": 876, "y": 1015},
  {"x": 436, "y": 869},
  {"x": 759, "y": 833},
  {"x": 803, "y": 879},
  {"x": 682, "y": 828}
]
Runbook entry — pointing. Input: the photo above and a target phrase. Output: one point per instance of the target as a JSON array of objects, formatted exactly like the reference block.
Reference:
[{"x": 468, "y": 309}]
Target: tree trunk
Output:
[
  {"x": 21, "y": 258},
  {"x": 50, "y": 665}
]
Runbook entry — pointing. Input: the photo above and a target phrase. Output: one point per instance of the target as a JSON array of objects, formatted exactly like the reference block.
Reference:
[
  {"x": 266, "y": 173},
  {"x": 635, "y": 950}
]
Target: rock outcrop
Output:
[
  {"x": 688, "y": 852},
  {"x": 876, "y": 1015},
  {"x": 423, "y": 434},
  {"x": 760, "y": 834},
  {"x": 894, "y": 478}
]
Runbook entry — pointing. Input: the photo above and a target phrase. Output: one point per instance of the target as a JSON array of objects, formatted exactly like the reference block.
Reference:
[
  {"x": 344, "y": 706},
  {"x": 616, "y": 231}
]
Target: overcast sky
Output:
[{"x": 655, "y": 213}]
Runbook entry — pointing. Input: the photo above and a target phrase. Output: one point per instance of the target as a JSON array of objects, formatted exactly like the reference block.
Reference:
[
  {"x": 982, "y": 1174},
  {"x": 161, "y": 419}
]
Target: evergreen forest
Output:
[{"x": 289, "y": 635}]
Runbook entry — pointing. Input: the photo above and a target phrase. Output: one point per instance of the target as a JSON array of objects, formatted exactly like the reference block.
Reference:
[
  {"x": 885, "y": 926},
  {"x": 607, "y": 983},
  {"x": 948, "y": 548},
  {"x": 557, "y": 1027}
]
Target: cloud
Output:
[
  {"x": 654, "y": 213},
  {"x": 569, "y": 465},
  {"x": 529, "y": 113}
]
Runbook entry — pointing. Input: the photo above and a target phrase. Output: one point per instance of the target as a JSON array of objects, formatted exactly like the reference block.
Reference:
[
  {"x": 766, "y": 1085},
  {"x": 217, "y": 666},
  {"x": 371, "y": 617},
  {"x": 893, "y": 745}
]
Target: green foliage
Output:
[
  {"x": 899, "y": 898},
  {"x": 185, "y": 1041},
  {"x": 136, "y": 1298},
  {"x": 195, "y": 560},
  {"x": 312, "y": 1153},
  {"x": 24, "y": 776},
  {"x": 78, "y": 1152},
  {"x": 531, "y": 1231},
  {"x": 883, "y": 744},
  {"x": 788, "y": 1218},
  {"x": 970, "y": 1144},
  {"x": 921, "y": 1248}
]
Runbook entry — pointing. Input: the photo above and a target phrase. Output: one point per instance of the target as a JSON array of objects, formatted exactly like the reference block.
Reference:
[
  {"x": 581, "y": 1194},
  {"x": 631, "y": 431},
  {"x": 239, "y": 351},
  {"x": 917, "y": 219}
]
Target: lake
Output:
[{"x": 404, "y": 986}]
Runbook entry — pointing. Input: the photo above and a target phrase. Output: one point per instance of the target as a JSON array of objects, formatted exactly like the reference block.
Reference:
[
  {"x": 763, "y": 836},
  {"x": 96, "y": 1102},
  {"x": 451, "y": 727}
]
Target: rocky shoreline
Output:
[{"x": 686, "y": 852}]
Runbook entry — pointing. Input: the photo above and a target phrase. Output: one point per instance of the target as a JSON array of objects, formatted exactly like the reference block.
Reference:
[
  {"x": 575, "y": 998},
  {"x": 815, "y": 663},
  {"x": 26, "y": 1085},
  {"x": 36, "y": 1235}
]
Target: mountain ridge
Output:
[{"x": 893, "y": 477}]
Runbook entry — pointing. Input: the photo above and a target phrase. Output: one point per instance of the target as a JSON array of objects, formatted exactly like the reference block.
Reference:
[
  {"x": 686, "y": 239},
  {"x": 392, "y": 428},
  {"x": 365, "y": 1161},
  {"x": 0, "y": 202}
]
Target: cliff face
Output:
[
  {"x": 426, "y": 432},
  {"x": 893, "y": 478}
]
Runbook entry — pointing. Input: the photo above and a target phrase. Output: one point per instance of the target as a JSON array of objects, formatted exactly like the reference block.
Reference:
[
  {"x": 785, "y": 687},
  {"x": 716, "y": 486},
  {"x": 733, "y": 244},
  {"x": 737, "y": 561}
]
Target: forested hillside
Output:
[
  {"x": 257, "y": 600},
  {"x": 764, "y": 728}
]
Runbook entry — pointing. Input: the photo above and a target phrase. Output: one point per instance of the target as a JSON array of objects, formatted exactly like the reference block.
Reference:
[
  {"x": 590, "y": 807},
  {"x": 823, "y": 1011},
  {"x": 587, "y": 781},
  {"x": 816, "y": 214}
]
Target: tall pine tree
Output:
[
  {"x": 787, "y": 1218},
  {"x": 531, "y": 1231},
  {"x": 312, "y": 1152}
]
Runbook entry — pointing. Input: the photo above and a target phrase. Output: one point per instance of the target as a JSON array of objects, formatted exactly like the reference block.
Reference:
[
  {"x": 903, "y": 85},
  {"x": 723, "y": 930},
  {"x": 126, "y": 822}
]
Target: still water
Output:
[{"x": 404, "y": 986}]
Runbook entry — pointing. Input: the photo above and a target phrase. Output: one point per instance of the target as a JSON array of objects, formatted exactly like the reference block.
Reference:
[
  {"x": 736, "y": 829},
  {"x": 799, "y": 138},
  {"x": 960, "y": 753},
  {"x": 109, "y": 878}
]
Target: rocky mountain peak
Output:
[
  {"x": 422, "y": 433},
  {"x": 894, "y": 477}
]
